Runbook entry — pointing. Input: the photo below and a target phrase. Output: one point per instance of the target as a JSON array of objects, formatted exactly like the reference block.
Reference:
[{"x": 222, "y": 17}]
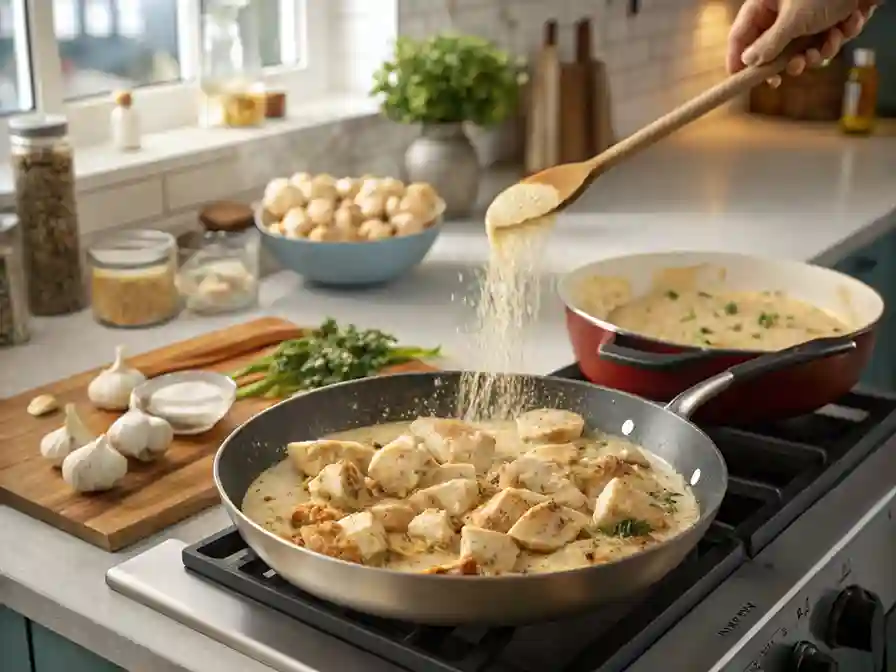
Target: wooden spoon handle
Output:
[{"x": 706, "y": 102}]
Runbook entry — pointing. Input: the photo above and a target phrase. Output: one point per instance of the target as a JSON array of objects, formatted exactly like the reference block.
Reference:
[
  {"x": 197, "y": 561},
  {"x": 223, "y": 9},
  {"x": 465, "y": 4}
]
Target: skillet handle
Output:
[
  {"x": 691, "y": 399},
  {"x": 656, "y": 361}
]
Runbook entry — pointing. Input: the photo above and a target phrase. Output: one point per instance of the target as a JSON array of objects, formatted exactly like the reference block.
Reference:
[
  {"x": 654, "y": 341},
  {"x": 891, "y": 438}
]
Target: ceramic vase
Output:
[{"x": 444, "y": 156}]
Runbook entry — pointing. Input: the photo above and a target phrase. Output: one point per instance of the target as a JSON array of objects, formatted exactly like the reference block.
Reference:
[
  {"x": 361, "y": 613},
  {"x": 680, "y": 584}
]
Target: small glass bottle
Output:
[
  {"x": 860, "y": 94},
  {"x": 133, "y": 279},
  {"x": 232, "y": 93},
  {"x": 125, "y": 123},
  {"x": 43, "y": 168},
  {"x": 222, "y": 275}
]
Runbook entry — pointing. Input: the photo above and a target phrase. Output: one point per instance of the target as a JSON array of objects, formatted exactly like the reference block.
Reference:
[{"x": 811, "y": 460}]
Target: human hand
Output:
[{"x": 763, "y": 28}]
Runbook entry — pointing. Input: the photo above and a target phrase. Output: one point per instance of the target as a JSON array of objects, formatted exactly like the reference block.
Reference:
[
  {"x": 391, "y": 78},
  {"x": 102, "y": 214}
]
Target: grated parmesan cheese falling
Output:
[{"x": 508, "y": 302}]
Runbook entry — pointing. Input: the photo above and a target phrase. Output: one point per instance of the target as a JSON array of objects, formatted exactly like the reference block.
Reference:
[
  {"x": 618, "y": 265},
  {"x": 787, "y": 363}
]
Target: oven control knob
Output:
[
  {"x": 809, "y": 658},
  {"x": 856, "y": 621}
]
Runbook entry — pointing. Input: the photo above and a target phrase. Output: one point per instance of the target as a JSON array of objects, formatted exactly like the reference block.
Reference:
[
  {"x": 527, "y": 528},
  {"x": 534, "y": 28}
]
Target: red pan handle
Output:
[{"x": 691, "y": 399}]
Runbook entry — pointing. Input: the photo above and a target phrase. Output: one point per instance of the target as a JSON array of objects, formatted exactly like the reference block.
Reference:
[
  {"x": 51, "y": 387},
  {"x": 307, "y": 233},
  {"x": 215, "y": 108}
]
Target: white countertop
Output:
[{"x": 729, "y": 184}]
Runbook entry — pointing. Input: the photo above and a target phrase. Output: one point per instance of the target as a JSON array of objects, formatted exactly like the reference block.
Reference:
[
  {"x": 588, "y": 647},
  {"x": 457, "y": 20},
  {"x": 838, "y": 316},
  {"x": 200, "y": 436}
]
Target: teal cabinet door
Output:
[
  {"x": 53, "y": 653},
  {"x": 875, "y": 265},
  {"x": 15, "y": 654}
]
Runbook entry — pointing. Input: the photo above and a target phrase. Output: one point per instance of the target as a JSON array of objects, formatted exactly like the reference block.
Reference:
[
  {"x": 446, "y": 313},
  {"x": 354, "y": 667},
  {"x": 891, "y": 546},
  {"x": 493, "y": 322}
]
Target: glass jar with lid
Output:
[
  {"x": 222, "y": 274},
  {"x": 14, "y": 329},
  {"x": 230, "y": 77},
  {"x": 43, "y": 170},
  {"x": 133, "y": 279}
]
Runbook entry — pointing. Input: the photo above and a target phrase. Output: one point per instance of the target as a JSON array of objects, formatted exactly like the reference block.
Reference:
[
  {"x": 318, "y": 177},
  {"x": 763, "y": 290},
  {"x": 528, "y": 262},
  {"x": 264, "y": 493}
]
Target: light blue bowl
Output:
[{"x": 351, "y": 264}]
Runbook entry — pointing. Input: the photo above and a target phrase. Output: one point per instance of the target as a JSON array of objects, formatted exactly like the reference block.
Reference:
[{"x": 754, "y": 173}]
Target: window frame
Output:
[{"x": 163, "y": 106}]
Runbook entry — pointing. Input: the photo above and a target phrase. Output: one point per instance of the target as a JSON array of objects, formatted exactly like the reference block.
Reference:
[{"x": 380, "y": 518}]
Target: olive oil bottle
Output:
[{"x": 860, "y": 95}]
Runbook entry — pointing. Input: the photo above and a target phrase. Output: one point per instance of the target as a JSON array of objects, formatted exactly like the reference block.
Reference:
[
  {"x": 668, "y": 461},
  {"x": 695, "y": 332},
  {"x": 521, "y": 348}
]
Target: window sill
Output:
[{"x": 105, "y": 169}]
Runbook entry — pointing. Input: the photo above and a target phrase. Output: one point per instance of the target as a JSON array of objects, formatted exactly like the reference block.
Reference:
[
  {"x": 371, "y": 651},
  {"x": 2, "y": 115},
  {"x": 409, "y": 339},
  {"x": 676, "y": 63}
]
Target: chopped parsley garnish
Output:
[
  {"x": 672, "y": 294},
  {"x": 731, "y": 308},
  {"x": 768, "y": 320},
  {"x": 667, "y": 499},
  {"x": 630, "y": 527},
  {"x": 704, "y": 295},
  {"x": 756, "y": 336},
  {"x": 705, "y": 330},
  {"x": 737, "y": 327}
]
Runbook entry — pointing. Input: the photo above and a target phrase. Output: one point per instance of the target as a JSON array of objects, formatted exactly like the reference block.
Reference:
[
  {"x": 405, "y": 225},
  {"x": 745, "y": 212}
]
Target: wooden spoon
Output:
[{"x": 553, "y": 189}]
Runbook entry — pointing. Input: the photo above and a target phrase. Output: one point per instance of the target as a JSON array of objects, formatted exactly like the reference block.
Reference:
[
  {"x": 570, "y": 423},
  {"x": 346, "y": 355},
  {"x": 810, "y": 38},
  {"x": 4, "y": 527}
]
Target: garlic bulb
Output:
[
  {"x": 59, "y": 443},
  {"x": 161, "y": 434},
  {"x": 94, "y": 467},
  {"x": 111, "y": 389},
  {"x": 141, "y": 436}
]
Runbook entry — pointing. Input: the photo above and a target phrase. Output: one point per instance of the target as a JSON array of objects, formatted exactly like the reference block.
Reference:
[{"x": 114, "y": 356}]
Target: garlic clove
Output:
[
  {"x": 94, "y": 467},
  {"x": 111, "y": 389},
  {"x": 59, "y": 443},
  {"x": 161, "y": 434},
  {"x": 42, "y": 404},
  {"x": 129, "y": 435},
  {"x": 76, "y": 428},
  {"x": 56, "y": 446}
]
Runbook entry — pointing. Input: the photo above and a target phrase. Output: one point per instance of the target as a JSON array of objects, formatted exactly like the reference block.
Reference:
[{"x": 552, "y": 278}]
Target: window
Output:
[
  {"x": 69, "y": 55},
  {"x": 16, "y": 90}
]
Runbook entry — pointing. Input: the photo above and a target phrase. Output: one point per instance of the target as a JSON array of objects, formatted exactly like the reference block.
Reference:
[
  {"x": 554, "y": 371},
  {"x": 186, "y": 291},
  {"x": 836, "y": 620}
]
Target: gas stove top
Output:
[{"x": 777, "y": 475}]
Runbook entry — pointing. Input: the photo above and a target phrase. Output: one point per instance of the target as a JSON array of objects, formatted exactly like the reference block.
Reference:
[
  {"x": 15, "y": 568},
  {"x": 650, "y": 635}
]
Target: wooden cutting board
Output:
[{"x": 152, "y": 496}]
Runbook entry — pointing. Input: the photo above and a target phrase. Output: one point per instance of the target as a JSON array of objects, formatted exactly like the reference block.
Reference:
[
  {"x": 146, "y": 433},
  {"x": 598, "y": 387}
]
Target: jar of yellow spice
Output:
[{"x": 132, "y": 279}]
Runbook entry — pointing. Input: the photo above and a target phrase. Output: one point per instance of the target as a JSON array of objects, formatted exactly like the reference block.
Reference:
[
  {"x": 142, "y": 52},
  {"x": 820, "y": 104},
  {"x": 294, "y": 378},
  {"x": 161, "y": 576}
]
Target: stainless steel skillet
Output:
[{"x": 505, "y": 600}]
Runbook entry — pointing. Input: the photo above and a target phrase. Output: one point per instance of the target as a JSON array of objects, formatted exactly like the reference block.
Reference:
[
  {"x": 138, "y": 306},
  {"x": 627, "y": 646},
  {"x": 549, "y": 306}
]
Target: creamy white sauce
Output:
[
  {"x": 726, "y": 319},
  {"x": 274, "y": 495}
]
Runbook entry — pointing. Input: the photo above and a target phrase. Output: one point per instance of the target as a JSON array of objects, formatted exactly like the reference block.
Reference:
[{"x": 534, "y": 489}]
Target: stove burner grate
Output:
[{"x": 776, "y": 472}]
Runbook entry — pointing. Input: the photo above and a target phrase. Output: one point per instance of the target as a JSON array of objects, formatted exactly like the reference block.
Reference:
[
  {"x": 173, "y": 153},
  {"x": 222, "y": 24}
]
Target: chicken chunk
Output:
[
  {"x": 550, "y": 425},
  {"x": 341, "y": 484},
  {"x": 312, "y": 456},
  {"x": 393, "y": 515},
  {"x": 547, "y": 527},
  {"x": 593, "y": 475},
  {"x": 633, "y": 455},
  {"x": 543, "y": 477},
  {"x": 559, "y": 453},
  {"x": 366, "y": 532},
  {"x": 327, "y": 539},
  {"x": 454, "y": 441},
  {"x": 494, "y": 552},
  {"x": 456, "y": 496},
  {"x": 397, "y": 467},
  {"x": 432, "y": 526},
  {"x": 447, "y": 472},
  {"x": 311, "y": 513},
  {"x": 504, "y": 509},
  {"x": 621, "y": 501}
]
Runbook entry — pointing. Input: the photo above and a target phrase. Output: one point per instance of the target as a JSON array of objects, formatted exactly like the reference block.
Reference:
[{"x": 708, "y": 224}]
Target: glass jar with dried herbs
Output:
[
  {"x": 133, "y": 279},
  {"x": 43, "y": 167},
  {"x": 13, "y": 292}
]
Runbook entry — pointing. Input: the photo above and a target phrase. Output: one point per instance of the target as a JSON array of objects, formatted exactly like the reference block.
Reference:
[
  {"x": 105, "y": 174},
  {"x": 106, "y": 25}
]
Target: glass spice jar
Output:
[
  {"x": 229, "y": 80},
  {"x": 43, "y": 169},
  {"x": 14, "y": 316},
  {"x": 222, "y": 275},
  {"x": 133, "y": 279}
]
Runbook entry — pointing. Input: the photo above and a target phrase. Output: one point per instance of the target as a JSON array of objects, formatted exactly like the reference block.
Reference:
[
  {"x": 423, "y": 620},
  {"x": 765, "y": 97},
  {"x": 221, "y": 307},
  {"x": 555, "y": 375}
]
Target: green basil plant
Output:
[{"x": 448, "y": 78}]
